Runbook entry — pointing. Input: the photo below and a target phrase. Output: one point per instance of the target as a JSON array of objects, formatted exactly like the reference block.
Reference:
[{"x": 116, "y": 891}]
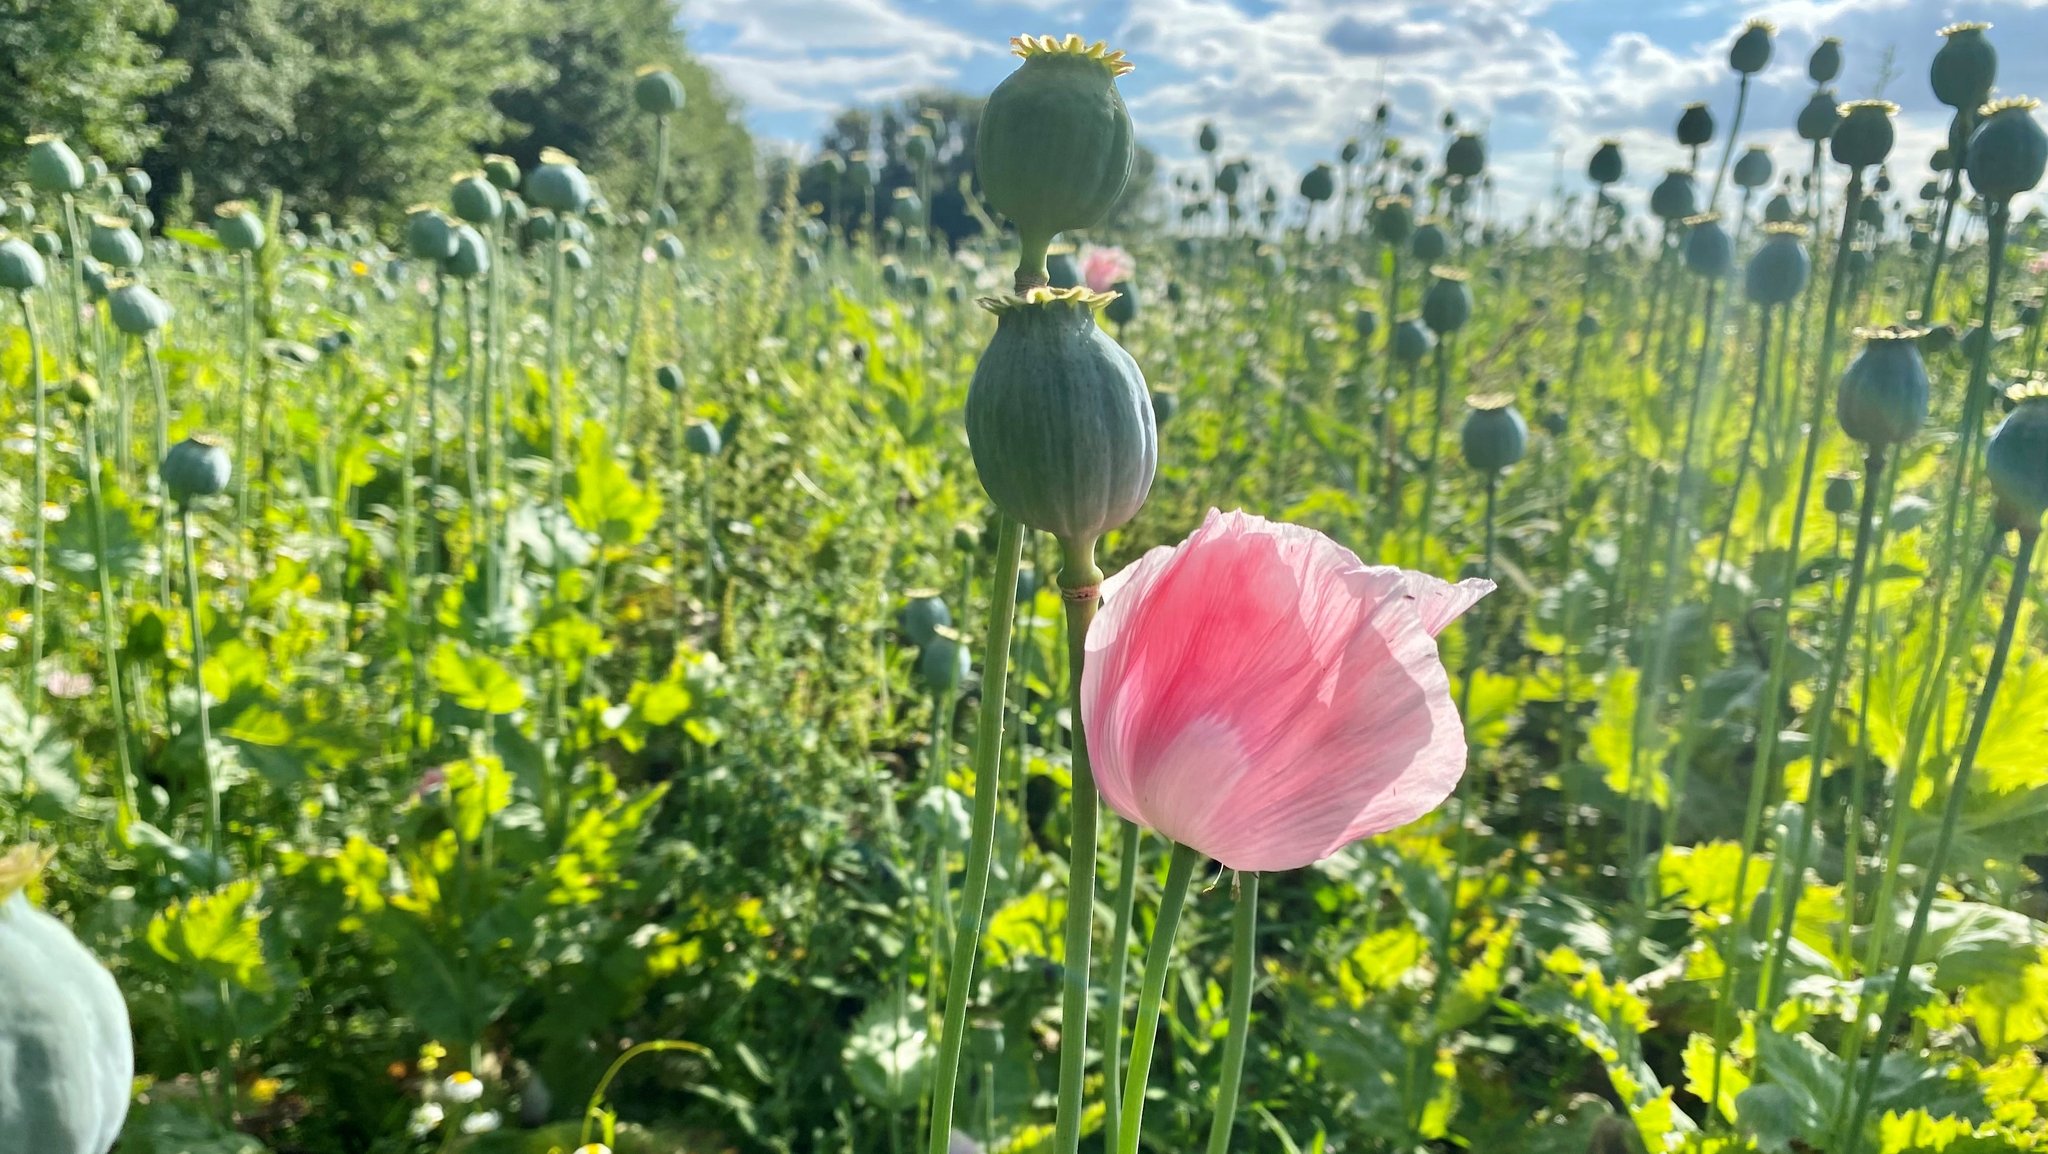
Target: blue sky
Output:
[{"x": 1286, "y": 81}]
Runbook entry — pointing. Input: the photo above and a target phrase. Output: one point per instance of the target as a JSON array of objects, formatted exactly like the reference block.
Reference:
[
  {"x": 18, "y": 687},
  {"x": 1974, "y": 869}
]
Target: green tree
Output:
[
  {"x": 81, "y": 67},
  {"x": 234, "y": 112}
]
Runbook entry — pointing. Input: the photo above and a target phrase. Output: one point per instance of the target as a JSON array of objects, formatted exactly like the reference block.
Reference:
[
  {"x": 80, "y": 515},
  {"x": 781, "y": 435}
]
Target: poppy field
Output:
[{"x": 1324, "y": 663}]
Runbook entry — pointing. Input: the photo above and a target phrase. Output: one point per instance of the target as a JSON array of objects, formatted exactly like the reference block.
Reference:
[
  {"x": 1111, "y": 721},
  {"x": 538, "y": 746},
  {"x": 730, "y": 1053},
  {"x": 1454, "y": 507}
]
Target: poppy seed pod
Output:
[
  {"x": 1351, "y": 151},
  {"x": 918, "y": 147},
  {"x": 238, "y": 227},
  {"x": 1820, "y": 117},
  {"x": 1365, "y": 324},
  {"x": 1695, "y": 126},
  {"x": 1779, "y": 269},
  {"x": 1060, "y": 270},
  {"x": 1588, "y": 324},
  {"x": 1839, "y": 497},
  {"x": 1429, "y": 244},
  {"x": 502, "y": 171},
  {"x": 1393, "y": 219},
  {"x": 1228, "y": 178},
  {"x": 1709, "y": 250},
  {"x": 1123, "y": 308},
  {"x": 669, "y": 247},
  {"x": 2016, "y": 457},
  {"x": 703, "y": 439},
  {"x": 943, "y": 662},
  {"x": 52, "y": 166},
  {"x": 113, "y": 243},
  {"x": 1206, "y": 139},
  {"x": 21, "y": 266},
  {"x": 472, "y": 256},
  {"x": 1675, "y": 197},
  {"x": 136, "y": 183},
  {"x": 1465, "y": 156},
  {"x": 197, "y": 466},
  {"x": 669, "y": 379},
  {"x": 656, "y": 91},
  {"x": 575, "y": 257},
  {"x": 1865, "y": 135},
  {"x": 475, "y": 199},
  {"x": 1318, "y": 184},
  {"x": 557, "y": 183},
  {"x": 1752, "y": 48},
  {"x": 1826, "y": 62},
  {"x": 1606, "y": 166},
  {"x": 1412, "y": 340},
  {"x": 429, "y": 235},
  {"x": 1494, "y": 435},
  {"x": 1165, "y": 403},
  {"x": 1882, "y": 398},
  {"x": 1059, "y": 419},
  {"x": 1753, "y": 169},
  {"x": 1447, "y": 304},
  {"x": 924, "y": 611},
  {"x": 1054, "y": 149},
  {"x": 135, "y": 309},
  {"x": 2008, "y": 151},
  {"x": 1965, "y": 67},
  {"x": 1779, "y": 210}
]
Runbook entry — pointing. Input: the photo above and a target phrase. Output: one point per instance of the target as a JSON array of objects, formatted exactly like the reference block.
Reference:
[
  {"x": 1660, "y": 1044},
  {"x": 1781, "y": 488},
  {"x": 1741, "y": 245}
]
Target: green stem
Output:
[
  {"x": 1080, "y": 591},
  {"x": 1244, "y": 960},
  {"x": 213, "y": 830},
  {"x": 1436, "y": 444},
  {"x": 1180, "y": 871},
  {"x": 1127, "y": 866},
  {"x": 111, "y": 635},
  {"x": 38, "y": 627},
  {"x": 640, "y": 260}
]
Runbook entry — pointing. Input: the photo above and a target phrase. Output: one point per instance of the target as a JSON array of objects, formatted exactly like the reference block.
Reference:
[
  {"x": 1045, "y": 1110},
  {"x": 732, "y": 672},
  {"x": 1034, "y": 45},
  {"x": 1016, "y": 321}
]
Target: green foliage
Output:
[{"x": 82, "y": 68}]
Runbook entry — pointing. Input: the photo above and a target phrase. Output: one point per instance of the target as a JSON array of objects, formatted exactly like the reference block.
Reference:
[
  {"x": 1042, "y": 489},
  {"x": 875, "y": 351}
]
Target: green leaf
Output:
[
  {"x": 475, "y": 681},
  {"x": 608, "y": 503},
  {"x": 218, "y": 934}
]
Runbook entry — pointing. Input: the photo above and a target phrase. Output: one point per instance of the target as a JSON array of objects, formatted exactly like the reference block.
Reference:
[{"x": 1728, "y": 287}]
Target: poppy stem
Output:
[
  {"x": 1128, "y": 865},
  {"x": 1080, "y": 582},
  {"x": 1244, "y": 957},
  {"x": 1152, "y": 988}
]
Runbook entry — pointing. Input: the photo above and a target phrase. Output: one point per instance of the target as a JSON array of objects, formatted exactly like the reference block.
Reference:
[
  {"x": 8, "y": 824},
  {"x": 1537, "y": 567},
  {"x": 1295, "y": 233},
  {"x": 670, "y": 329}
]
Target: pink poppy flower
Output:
[
  {"x": 1103, "y": 266},
  {"x": 1261, "y": 695}
]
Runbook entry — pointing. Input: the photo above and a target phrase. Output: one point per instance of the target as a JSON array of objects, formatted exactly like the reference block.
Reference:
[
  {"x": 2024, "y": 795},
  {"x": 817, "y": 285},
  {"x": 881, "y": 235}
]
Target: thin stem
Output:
[
  {"x": 111, "y": 637},
  {"x": 1244, "y": 962},
  {"x": 1080, "y": 590},
  {"x": 1180, "y": 871},
  {"x": 213, "y": 831},
  {"x": 1128, "y": 866},
  {"x": 38, "y": 627}
]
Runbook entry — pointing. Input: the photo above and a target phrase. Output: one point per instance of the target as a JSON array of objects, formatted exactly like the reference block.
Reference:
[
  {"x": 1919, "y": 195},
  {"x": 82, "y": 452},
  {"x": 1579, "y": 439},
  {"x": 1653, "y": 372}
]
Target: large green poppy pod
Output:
[
  {"x": 943, "y": 662},
  {"x": 656, "y": 91},
  {"x": 1820, "y": 116},
  {"x": 113, "y": 243},
  {"x": 1779, "y": 210},
  {"x": 1054, "y": 149},
  {"x": 1606, "y": 167},
  {"x": 1123, "y": 307},
  {"x": 198, "y": 466},
  {"x": 52, "y": 166},
  {"x": 1780, "y": 267},
  {"x": 21, "y": 266},
  {"x": 1447, "y": 303},
  {"x": 1753, "y": 169},
  {"x": 1709, "y": 250},
  {"x": 1839, "y": 497},
  {"x": 1060, "y": 270},
  {"x": 1430, "y": 243},
  {"x": 1494, "y": 435},
  {"x": 2008, "y": 151},
  {"x": 557, "y": 183},
  {"x": 238, "y": 227},
  {"x": 669, "y": 247},
  {"x": 1206, "y": 139},
  {"x": 135, "y": 309},
  {"x": 1826, "y": 62},
  {"x": 1393, "y": 219},
  {"x": 1318, "y": 184},
  {"x": 1882, "y": 398},
  {"x": 1965, "y": 67},
  {"x": 502, "y": 171},
  {"x": 475, "y": 199},
  {"x": 472, "y": 256},
  {"x": 1412, "y": 340},
  {"x": 669, "y": 378},
  {"x": 1865, "y": 135},
  {"x": 2016, "y": 457},
  {"x": 1695, "y": 126},
  {"x": 1752, "y": 47},
  {"x": 429, "y": 235},
  {"x": 136, "y": 183},
  {"x": 906, "y": 207},
  {"x": 1675, "y": 197},
  {"x": 924, "y": 611},
  {"x": 1058, "y": 418},
  {"x": 703, "y": 439},
  {"x": 1465, "y": 156}
]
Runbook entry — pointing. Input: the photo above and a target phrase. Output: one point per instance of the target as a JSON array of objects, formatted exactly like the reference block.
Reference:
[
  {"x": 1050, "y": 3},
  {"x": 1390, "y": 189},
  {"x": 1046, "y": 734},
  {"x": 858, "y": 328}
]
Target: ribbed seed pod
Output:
[
  {"x": 1465, "y": 156},
  {"x": 1695, "y": 126},
  {"x": 557, "y": 183},
  {"x": 1429, "y": 244},
  {"x": 472, "y": 256},
  {"x": 1447, "y": 303},
  {"x": 1780, "y": 267},
  {"x": 198, "y": 466},
  {"x": 1675, "y": 197},
  {"x": 1709, "y": 250},
  {"x": 657, "y": 91},
  {"x": 1965, "y": 67},
  {"x": 1753, "y": 169},
  {"x": 1826, "y": 62},
  {"x": 135, "y": 309},
  {"x": 1606, "y": 165},
  {"x": 1752, "y": 48},
  {"x": 1865, "y": 135},
  {"x": 2016, "y": 457},
  {"x": 238, "y": 227},
  {"x": 1494, "y": 435},
  {"x": 1882, "y": 398},
  {"x": 475, "y": 199},
  {"x": 1820, "y": 117},
  {"x": 2008, "y": 151},
  {"x": 52, "y": 166},
  {"x": 113, "y": 243}
]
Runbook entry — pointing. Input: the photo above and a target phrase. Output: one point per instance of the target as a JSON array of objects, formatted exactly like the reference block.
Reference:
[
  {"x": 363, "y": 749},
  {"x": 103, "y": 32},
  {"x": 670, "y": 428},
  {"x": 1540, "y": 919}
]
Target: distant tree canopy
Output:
[{"x": 361, "y": 107}]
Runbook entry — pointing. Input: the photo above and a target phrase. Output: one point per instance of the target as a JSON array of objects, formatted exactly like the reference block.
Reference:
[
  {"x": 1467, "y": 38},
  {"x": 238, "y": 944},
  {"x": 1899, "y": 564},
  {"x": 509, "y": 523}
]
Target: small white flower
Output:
[
  {"x": 594, "y": 1148},
  {"x": 481, "y": 1122},
  {"x": 462, "y": 1088},
  {"x": 427, "y": 1118}
]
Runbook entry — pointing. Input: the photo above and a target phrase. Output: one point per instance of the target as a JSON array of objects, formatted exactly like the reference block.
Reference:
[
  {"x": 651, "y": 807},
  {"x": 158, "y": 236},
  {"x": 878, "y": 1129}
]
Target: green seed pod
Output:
[
  {"x": 1753, "y": 169},
  {"x": 1871, "y": 212},
  {"x": 502, "y": 171},
  {"x": 1675, "y": 197},
  {"x": 1779, "y": 269},
  {"x": 1709, "y": 250},
  {"x": 1826, "y": 62},
  {"x": 135, "y": 309},
  {"x": 575, "y": 257},
  {"x": 1839, "y": 497},
  {"x": 917, "y": 147},
  {"x": 557, "y": 183},
  {"x": 52, "y": 166},
  {"x": 1882, "y": 398},
  {"x": 2008, "y": 151},
  {"x": 669, "y": 247},
  {"x": 1820, "y": 116},
  {"x": 540, "y": 228},
  {"x": 197, "y": 466},
  {"x": 1606, "y": 166},
  {"x": 83, "y": 391},
  {"x": 1059, "y": 420},
  {"x": 238, "y": 227},
  {"x": 1465, "y": 156},
  {"x": 669, "y": 379},
  {"x": 1865, "y": 135},
  {"x": 703, "y": 439},
  {"x": 429, "y": 235},
  {"x": 1588, "y": 324},
  {"x": 2016, "y": 457},
  {"x": 97, "y": 283},
  {"x": 136, "y": 183},
  {"x": 1447, "y": 303},
  {"x": 1752, "y": 48},
  {"x": 1412, "y": 340},
  {"x": 1054, "y": 149},
  {"x": 1695, "y": 126},
  {"x": 1429, "y": 243},
  {"x": 656, "y": 91},
  {"x": 892, "y": 273},
  {"x": 1965, "y": 68},
  {"x": 21, "y": 266},
  {"x": 472, "y": 256},
  {"x": 1365, "y": 324},
  {"x": 1124, "y": 308},
  {"x": 1165, "y": 403},
  {"x": 1393, "y": 219},
  {"x": 1228, "y": 179},
  {"x": 1206, "y": 139},
  {"x": 113, "y": 243},
  {"x": 1351, "y": 151},
  {"x": 943, "y": 662},
  {"x": 475, "y": 199},
  {"x": 1494, "y": 436},
  {"x": 1779, "y": 210},
  {"x": 924, "y": 610},
  {"x": 1318, "y": 184},
  {"x": 1060, "y": 270}
]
